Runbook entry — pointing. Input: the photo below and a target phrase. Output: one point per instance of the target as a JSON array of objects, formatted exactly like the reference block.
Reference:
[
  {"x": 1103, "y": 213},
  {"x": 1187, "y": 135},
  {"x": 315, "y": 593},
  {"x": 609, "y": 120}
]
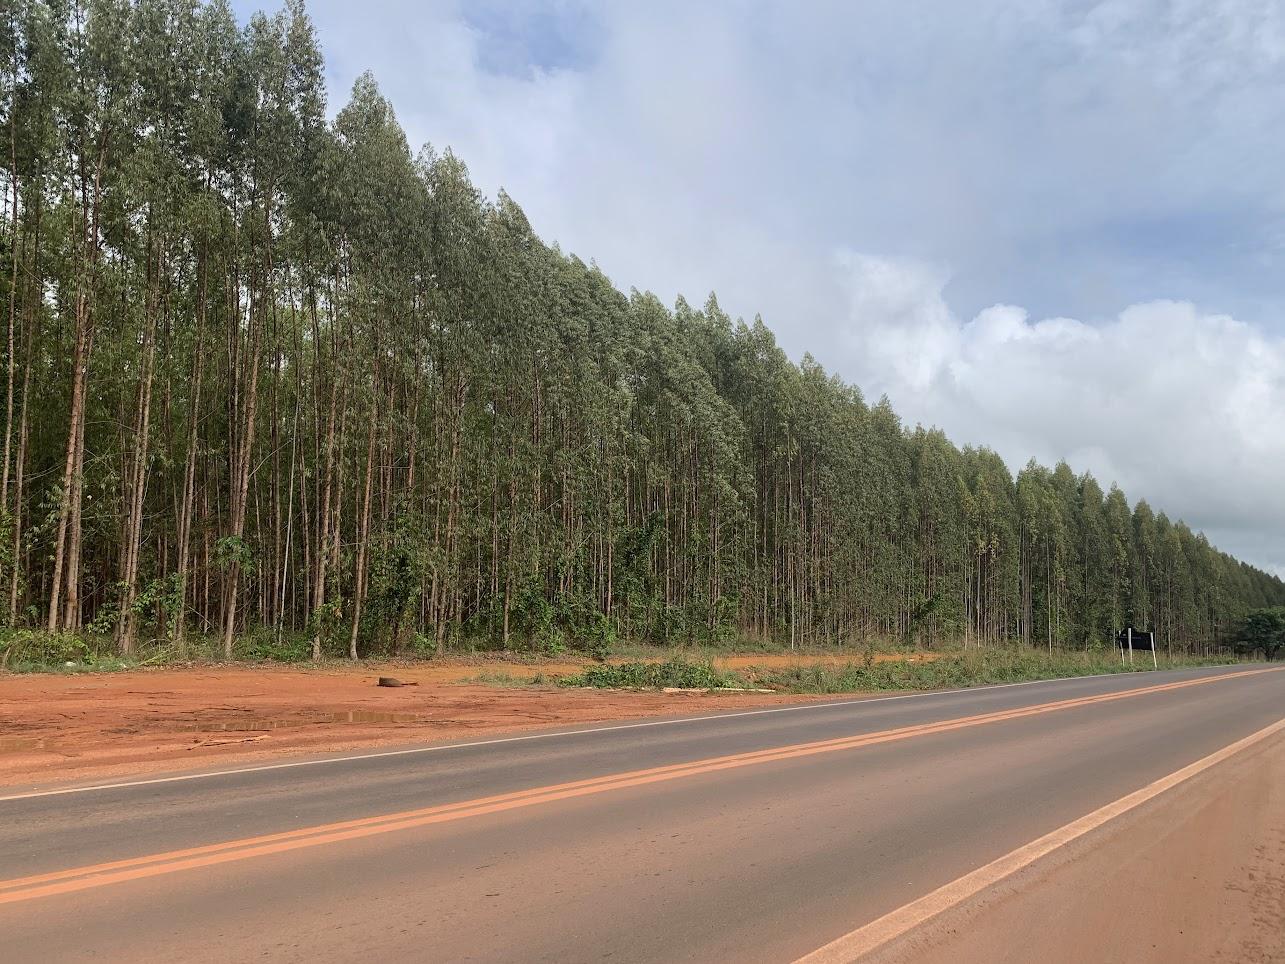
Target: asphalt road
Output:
[{"x": 747, "y": 836}]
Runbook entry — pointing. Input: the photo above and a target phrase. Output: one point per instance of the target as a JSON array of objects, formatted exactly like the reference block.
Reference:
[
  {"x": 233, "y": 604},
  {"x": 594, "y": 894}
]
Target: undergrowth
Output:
[
  {"x": 508, "y": 680},
  {"x": 647, "y": 666},
  {"x": 955, "y": 671},
  {"x": 674, "y": 672}
]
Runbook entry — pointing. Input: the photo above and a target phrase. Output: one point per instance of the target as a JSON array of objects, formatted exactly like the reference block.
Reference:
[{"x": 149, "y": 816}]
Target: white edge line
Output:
[
  {"x": 882, "y": 932},
  {"x": 545, "y": 736}
]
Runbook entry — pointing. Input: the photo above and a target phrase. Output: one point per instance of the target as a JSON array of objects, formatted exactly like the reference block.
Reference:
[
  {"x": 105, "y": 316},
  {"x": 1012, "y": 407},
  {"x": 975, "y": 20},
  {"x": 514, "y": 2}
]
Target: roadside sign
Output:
[{"x": 1130, "y": 639}]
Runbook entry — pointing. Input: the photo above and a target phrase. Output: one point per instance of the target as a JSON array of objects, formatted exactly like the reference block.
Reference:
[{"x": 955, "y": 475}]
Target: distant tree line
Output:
[
  {"x": 264, "y": 372},
  {"x": 1262, "y": 633}
]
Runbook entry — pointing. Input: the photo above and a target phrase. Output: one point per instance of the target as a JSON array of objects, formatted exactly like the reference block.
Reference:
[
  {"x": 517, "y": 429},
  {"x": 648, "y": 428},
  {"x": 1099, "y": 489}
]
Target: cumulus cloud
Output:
[
  {"x": 873, "y": 179},
  {"x": 1179, "y": 406}
]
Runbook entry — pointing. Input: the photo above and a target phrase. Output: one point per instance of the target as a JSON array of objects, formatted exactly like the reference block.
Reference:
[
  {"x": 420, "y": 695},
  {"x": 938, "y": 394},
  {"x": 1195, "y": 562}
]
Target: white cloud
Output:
[
  {"x": 1178, "y": 406},
  {"x": 902, "y": 335},
  {"x": 1072, "y": 157}
]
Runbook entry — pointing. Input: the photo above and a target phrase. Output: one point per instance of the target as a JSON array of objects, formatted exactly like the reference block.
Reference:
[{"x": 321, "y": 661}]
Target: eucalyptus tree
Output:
[{"x": 267, "y": 374}]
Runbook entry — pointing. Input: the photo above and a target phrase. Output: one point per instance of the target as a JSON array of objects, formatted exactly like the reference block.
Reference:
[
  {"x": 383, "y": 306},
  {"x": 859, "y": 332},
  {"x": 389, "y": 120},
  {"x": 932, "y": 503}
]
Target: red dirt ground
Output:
[{"x": 56, "y": 728}]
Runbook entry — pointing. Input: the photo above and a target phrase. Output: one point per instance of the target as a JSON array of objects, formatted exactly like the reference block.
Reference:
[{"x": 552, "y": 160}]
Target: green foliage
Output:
[
  {"x": 325, "y": 621},
  {"x": 599, "y": 649},
  {"x": 398, "y": 566},
  {"x": 29, "y": 647},
  {"x": 159, "y": 602},
  {"x": 674, "y": 672},
  {"x": 422, "y": 647},
  {"x": 262, "y": 645},
  {"x": 507, "y": 680},
  {"x": 975, "y": 668},
  {"x": 336, "y": 392},
  {"x": 1262, "y": 632},
  {"x": 233, "y": 550},
  {"x": 107, "y": 616}
]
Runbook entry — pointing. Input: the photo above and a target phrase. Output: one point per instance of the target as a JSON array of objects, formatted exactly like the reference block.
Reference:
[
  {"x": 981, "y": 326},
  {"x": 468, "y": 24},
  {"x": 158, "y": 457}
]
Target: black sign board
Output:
[{"x": 1135, "y": 639}]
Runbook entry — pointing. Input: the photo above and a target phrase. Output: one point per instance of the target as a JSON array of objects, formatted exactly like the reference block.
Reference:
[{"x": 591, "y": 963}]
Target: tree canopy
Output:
[
  {"x": 265, "y": 369},
  {"x": 1263, "y": 633}
]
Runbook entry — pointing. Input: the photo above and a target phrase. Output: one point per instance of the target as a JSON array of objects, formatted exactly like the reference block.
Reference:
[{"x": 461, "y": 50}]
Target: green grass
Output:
[
  {"x": 37, "y": 651},
  {"x": 673, "y": 672},
  {"x": 954, "y": 671},
  {"x": 508, "y": 680},
  {"x": 743, "y": 646},
  {"x": 649, "y": 666}
]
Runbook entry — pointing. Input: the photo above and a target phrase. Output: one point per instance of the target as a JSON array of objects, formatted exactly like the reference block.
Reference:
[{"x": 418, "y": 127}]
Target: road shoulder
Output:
[{"x": 1198, "y": 874}]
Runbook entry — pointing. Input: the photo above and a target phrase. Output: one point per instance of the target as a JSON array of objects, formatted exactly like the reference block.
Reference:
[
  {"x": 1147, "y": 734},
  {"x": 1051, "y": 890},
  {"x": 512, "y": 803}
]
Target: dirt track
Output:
[{"x": 55, "y": 727}]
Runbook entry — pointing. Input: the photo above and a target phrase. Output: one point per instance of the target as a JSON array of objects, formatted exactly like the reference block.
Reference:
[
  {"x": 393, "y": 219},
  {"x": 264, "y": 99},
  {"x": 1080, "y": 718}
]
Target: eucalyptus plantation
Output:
[{"x": 270, "y": 375}]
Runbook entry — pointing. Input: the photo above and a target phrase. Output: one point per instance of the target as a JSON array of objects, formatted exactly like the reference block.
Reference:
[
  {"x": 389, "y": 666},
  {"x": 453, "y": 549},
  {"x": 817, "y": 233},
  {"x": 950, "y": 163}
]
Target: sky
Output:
[{"x": 1053, "y": 228}]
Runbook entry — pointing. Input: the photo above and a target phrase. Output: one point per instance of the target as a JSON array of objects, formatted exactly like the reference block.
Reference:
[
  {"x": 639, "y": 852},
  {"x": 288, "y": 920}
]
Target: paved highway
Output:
[{"x": 758, "y": 835}]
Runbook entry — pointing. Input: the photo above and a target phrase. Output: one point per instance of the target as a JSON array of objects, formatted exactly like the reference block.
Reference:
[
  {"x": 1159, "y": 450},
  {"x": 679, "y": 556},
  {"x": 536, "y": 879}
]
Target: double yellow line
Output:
[{"x": 136, "y": 868}]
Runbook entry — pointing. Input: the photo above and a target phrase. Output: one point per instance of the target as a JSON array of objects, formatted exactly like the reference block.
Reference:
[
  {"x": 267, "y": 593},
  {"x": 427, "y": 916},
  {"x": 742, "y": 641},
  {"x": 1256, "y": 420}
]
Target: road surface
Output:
[{"x": 766, "y": 835}]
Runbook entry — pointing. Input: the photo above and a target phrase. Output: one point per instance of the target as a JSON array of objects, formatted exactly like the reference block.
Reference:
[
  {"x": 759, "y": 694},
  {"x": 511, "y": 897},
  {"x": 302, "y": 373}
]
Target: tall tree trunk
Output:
[
  {"x": 75, "y": 531},
  {"x": 127, "y": 625},
  {"x": 363, "y": 539},
  {"x": 67, "y": 545},
  {"x": 241, "y": 473},
  {"x": 447, "y": 594},
  {"x": 24, "y": 425},
  {"x": 188, "y": 508},
  {"x": 80, "y": 365},
  {"x": 324, "y": 514},
  {"x": 13, "y": 308}
]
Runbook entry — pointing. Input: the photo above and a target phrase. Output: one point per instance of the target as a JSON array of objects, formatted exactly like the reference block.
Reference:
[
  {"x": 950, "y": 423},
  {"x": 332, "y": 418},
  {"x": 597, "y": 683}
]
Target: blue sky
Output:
[{"x": 999, "y": 212}]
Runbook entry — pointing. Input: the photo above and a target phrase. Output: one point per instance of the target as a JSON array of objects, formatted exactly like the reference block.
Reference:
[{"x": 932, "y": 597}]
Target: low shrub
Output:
[
  {"x": 675, "y": 672},
  {"x": 35, "y": 647},
  {"x": 264, "y": 646},
  {"x": 954, "y": 671}
]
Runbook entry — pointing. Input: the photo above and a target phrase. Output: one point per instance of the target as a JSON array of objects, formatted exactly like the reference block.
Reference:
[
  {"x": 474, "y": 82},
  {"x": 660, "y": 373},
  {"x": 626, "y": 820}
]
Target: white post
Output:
[
  {"x": 1129, "y": 632},
  {"x": 1154, "y": 663}
]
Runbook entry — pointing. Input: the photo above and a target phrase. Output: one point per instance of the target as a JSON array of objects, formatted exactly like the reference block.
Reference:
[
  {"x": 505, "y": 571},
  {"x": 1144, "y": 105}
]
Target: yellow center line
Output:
[{"x": 120, "y": 871}]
